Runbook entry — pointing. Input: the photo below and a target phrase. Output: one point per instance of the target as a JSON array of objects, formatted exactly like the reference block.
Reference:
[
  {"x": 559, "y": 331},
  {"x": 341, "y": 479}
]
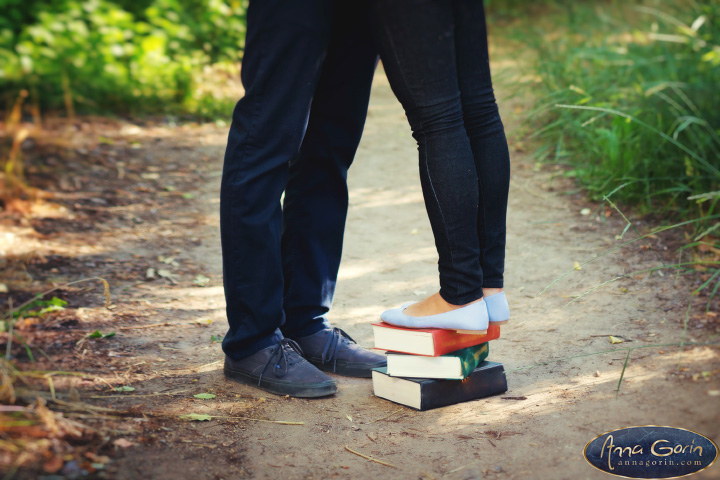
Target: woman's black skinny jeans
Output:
[{"x": 435, "y": 55}]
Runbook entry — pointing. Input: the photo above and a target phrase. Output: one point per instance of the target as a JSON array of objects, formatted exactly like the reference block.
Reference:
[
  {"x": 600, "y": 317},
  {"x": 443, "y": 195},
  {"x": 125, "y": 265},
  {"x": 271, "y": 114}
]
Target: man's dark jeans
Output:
[
  {"x": 435, "y": 55},
  {"x": 307, "y": 70}
]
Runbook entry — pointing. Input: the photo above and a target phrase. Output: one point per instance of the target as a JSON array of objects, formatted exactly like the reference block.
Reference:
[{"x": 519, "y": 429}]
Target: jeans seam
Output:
[
  {"x": 484, "y": 226},
  {"x": 257, "y": 101},
  {"x": 427, "y": 169}
]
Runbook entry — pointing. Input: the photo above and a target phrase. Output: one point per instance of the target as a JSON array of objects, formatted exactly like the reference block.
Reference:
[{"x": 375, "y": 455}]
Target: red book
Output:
[{"x": 430, "y": 342}]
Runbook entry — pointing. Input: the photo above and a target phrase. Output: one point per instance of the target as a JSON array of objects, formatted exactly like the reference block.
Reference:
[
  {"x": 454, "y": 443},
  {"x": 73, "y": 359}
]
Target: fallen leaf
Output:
[
  {"x": 203, "y": 322},
  {"x": 150, "y": 176},
  {"x": 123, "y": 443},
  {"x": 576, "y": 266},
  {"x": 349, "y": 417},
  {"x": 3, "y": 288},
  {"x": 585, "y": 211},
  {"x": 167, "y": 274},
  {"x": 196, "y": 417},
  {"x": 124, "y": 388},
  {"x": 714, "y": 393},
  {"x": 201, "y": 280},
  {"x": 615, "y": 340},
  {"x": 98, "y": 334},
  {"x": 204, "y": 396},
  {"x": 53, "y": 465}
]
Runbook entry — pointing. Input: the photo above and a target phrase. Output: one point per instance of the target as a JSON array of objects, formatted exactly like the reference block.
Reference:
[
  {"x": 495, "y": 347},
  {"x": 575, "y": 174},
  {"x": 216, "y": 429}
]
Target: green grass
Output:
[
  {"x": 627, "y": 100},
  {"x": 633, "y": 106}
]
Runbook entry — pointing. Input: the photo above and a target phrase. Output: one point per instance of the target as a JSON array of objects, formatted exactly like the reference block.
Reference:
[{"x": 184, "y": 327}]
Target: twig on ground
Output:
[
  {"x": 138, "y": 327},
  {"x": 622, "y": 374},
  {"x": 386, "y": 416},
  {"x": 195, "y": 369},
  {"x": 369, "y": 458},
  {"x": 281, "y": 422},
  {"x": 156, "y": 394},
  {"x": 459, "y": 468}
]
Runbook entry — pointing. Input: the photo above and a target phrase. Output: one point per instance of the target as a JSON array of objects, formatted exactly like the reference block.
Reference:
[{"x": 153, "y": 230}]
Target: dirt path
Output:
[{"x": 537, "y": 432}]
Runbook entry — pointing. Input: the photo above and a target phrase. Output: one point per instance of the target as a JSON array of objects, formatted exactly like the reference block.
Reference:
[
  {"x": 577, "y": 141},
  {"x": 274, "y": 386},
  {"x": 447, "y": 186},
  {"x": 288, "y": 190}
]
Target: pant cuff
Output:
[
  {"x": 239, "y": 353},
  {"x": 309, "y": 328}
]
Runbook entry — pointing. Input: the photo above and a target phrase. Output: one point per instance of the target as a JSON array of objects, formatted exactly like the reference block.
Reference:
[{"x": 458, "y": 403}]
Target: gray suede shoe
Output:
[
  {"x": 281, "y": 369},
  {"x": 332, "y": 350}
]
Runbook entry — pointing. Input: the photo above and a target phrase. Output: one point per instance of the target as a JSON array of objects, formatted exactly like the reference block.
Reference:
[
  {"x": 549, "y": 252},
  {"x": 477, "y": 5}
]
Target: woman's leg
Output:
[
  {"x": 417, "y": 45},
  {"x": 487, "y": 138}
]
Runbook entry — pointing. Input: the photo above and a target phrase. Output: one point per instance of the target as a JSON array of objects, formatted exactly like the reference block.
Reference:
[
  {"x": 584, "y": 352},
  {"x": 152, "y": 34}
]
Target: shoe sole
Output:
[
  {"x": 501, "y": 322},
  {"x": 281, "y": 388},
  {"x": 362, "y": 370}
]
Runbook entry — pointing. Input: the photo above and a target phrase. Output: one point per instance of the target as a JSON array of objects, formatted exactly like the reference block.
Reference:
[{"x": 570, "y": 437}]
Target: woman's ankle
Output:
[
  {"x": 433, "y": 305},
  {"x": 487, "y": 291}
]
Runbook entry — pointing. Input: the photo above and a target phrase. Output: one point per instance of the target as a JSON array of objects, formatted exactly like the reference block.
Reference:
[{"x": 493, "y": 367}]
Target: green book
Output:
[{"x": 455, "y": 365}]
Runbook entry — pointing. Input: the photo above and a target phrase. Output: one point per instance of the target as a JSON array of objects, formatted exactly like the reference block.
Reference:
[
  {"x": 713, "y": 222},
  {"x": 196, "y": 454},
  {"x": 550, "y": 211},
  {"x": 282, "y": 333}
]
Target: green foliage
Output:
[
  {"x": 42, "y": 306},
  {"x": 116, "y": 56},
  {"x": 99, "y": 334},
  {"x": 204, "y": 396},
  {"x": 629, "y": 103},
  {"x": 632, "y": 103}
]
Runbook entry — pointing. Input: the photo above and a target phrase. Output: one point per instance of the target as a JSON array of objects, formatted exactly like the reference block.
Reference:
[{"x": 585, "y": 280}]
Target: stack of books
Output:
[{"x": 430, "y": 368}]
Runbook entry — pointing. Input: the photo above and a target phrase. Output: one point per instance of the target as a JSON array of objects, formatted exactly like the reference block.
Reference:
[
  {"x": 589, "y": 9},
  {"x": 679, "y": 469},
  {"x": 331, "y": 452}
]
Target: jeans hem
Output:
[
  {"x": 239, "y": 354},
  {"x": 309, "y": 329}
]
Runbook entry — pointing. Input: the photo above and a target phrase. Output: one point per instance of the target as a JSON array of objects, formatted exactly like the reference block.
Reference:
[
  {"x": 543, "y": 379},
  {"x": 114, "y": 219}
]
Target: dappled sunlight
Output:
[
  {"x": 553, "y": 395},
  {"x": 23, "y": 240},
  {"x": 352, "y": 268},
  {"x": 136, "y": 200},
  {"x": 358, "y": 268},
  {"x": 384, "y": 197},
  {"x": 212, "y": 294}
]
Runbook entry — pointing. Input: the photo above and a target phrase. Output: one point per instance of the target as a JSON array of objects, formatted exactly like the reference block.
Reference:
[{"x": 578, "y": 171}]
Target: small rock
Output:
[
  {"x": 472, "y": 474},
  {"x": 71, "y": 469}
]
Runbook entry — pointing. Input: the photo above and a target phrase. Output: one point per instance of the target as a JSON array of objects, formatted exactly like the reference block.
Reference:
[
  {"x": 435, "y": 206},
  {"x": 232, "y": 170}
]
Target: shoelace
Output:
[
  {"x": 332, "y": 346},
  {"x": 281, "y": 355}
]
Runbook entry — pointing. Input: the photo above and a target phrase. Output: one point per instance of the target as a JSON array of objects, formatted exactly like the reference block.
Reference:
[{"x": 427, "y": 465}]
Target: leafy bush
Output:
[{"x": 116, "y": 56}]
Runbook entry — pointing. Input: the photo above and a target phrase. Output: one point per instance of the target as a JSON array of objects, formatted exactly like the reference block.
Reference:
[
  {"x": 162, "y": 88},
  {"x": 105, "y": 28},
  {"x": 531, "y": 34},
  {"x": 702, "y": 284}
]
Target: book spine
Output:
[
  {"x": 472, "y": 357},
  {"x": 446, "y": 341},
  {"x": 489, "y": 381}
]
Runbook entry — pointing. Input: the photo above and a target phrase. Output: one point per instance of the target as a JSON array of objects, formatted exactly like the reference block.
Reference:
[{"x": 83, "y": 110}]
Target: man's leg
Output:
[
  {"x": 316, "y": 198},
  {"x": 286, "y": 45}
]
